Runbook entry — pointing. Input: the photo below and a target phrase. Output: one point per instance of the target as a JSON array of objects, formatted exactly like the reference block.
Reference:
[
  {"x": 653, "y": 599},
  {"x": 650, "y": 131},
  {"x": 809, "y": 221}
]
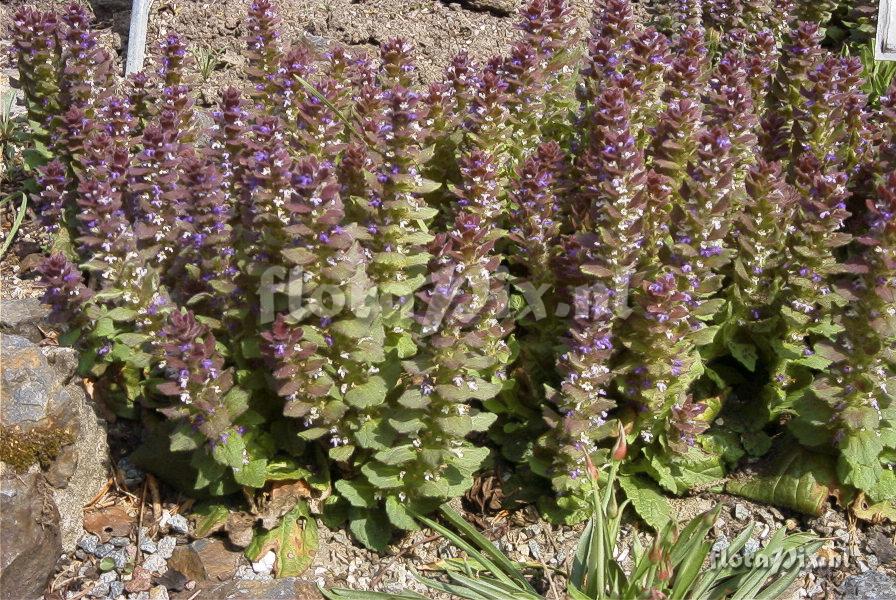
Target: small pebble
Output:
[
  {"x": 103, "y": 550},
  {"x": 139, "y": 596},
  {"x": 179, "y": 524},
  {"x": 119, "y": 541},
  {"x": 750, "y": 547},
  {"x": 100, "y": 590},
  {"x": 741, "y": 513},
  {"x": 265, "y": 564},
  {"x": 842, "y": 535},
  {"x": 120, "y": 557},
  {"x": 720, "y": 544},
  {"x": 88, "y": 543},
  {"x": 165, "y": 547},
  {"x": 148, "y": 546},
  {"x": 158, "y": 593},
  {"x": 155, "y": 564},
  {"x": 108, "y": 577},
  {"x": 116, "y": 589}
]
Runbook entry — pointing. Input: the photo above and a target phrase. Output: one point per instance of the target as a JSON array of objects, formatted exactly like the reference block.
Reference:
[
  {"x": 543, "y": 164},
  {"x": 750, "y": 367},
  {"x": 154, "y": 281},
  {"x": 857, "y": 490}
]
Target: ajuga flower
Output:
[
  {"x": 489, "y": 112},
  {"x": 479, "y": 189},
  {"x": 227, "y": 140},
  {"x": 700, "y": 225},
  {"x": 760, "y": 233},
  {"x": 686, "y": 74},
  {"x": 52, "y": 200},
  {"x": 63, "y": 289},
  {"x": 674, "y": 140},
  {"x": 141, "y": 98},
  {"x": 851, "y": 403},
  {"x": 760, "y": 52},
  {"x": 799, "y": 54},
  {"x": 36, "y": 43},
  {"x": 264, "y": 50},
  {"x": 87, "y": 66},
  {"x": 660, "y": 364},
  {"x": 730, "y": 106},
  {"x": 157, "y": 200},
  {"x": 300, "y": 376},
  {"x": 613, "y": 193},
  {"x": 464, "y": 359},
  {"x": 196, "y": 379},
  {"x": 537, "y": 216},
  {"x": 267, "y": 184},
  {"x": 578, "y": 416},
  {"x": 461, "y": 76}
]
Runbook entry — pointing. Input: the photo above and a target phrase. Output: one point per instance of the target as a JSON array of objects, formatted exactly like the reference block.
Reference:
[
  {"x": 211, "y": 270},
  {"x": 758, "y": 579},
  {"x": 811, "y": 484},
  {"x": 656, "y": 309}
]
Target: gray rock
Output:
[
  {"x": 751, "y": 547},
  {"x": 22, "y": 316},
  {"x": 103, "y": 550},
  {"x": 108, "y": 577},
  {"x": 741, "y": 512},
  {"x": 155, "y": 564},
  {"x": 30, "y": 520},
  {"x": 120, "y": 557},
  {"x": 179, "y": 524},
  {"x": 869, "y": 585},
  {"x": 100, "y": 590},
  {"x": 37, "y": 389},
  {"x": 720, "y": 544},
  {"x": 158, "y": 593},
  {"x": 165, "y": 546},
  {"x": 148, "y": 546},
  {"x": 26, "y": 385},
  {"x": 119, "y": 542},
  {"x": 88, "y": 543},
  {"x": 116, "y": 589},
  {"x": 499, "y": 7}
]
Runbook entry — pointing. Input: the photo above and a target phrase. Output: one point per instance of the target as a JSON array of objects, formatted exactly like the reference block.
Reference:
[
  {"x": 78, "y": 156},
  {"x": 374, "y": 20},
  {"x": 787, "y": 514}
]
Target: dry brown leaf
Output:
[{"x": 109, "y": 522}]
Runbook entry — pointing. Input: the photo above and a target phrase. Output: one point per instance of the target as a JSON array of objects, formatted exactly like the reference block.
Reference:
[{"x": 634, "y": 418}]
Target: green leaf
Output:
[
  {"x": 399, "y": 515},
  {"x": 231, "y": 451},
  {"x": 358, "y": 493},
  {"x": 792, "y": 477},
  {"x": 252, "y": 474},
  {"x": 210, "y": 517},
  {"x": 396, "y": 456},
  {"x": 648, "y": 501},
  {"x": 185, "y": 438},
  {"x": 859, "y": 463},
  {"x": 368, "y": 394},
  {"x": 744, "y": 353},
  {"x": 370, "y": 527},
  {"x": 294, "y": 541},
  {"x": 121, "y": 314}
]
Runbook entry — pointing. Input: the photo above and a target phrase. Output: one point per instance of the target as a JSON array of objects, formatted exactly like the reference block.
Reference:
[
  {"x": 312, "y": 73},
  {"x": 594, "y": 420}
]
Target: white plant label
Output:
[{"x": 885, "y": 45}]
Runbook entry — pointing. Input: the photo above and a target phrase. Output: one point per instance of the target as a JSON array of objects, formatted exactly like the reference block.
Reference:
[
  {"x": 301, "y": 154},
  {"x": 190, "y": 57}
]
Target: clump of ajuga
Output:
[{"x": 678, "y": 231}]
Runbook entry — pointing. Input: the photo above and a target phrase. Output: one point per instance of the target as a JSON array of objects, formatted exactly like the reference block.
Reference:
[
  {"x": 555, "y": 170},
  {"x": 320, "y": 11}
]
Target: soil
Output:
[{"x": 438, "y": 30}]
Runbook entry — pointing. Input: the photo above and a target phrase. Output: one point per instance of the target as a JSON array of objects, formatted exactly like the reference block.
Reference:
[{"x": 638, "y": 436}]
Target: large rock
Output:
[
  {"x": 870, "y": 585},
  {"x": 24, "y": 317},
  {"x": 205, "y": 559},
  {"x": 30, "y": 544},
  {"x": 39, "y": 389}
]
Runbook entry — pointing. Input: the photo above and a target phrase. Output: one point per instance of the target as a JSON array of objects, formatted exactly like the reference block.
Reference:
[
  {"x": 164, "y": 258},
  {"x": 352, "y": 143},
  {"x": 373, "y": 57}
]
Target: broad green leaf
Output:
[
  {"x": 399, "y": 515},
  {"x": 368, "y": 394},
  {"x": 251, "y": 474},
  {"x": 210, "y": 517},
  {"x": 793, "y": 477},
  {"x": 294, "y": 541},
  {"x": 648, "y": 500},
  {"x": 370, "y": 527}
]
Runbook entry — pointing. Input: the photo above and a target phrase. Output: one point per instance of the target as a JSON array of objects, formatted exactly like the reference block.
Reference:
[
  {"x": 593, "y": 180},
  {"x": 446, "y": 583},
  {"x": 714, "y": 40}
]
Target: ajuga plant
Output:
[{"x": 679, "y": 228}]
